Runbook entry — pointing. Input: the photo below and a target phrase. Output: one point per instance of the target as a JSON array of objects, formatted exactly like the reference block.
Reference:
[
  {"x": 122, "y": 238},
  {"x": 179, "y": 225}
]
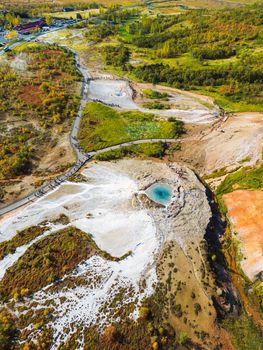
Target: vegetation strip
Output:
[
  {"x": 21, "y": 238},
  {"x": 48, "y": 260}
]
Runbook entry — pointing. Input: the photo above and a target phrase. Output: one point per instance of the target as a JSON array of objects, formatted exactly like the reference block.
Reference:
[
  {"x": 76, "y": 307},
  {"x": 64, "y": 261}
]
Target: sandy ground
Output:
[
  {"x": 62, "y": 153},
  {"x": 225, "y": 145},
  {"x": 182, "y": 258},
  {"x": 245, "y": 209}
]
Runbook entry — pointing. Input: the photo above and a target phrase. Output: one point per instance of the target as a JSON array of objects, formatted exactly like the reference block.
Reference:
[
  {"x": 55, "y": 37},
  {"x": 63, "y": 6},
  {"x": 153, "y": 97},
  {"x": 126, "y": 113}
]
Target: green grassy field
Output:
[
  {"x": 102, "y": 126},
  {"x": 244, "y": 179},
  {"x": 228, "y": 105},
  {"x": 172, "y": 41}
]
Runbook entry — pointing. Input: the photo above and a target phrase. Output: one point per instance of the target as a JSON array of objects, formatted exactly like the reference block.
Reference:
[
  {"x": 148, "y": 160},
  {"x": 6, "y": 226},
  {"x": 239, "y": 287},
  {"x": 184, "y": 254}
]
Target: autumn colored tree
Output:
[
  {"x": 7, "y": 331},
  {"x": 49, "y": 20},
  {"x": 110, "y": 334}
]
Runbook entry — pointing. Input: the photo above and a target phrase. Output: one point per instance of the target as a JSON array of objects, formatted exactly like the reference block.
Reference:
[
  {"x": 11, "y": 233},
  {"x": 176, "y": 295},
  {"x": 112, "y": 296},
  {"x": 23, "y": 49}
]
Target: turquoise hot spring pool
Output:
[{"x": 160, "y": 193}]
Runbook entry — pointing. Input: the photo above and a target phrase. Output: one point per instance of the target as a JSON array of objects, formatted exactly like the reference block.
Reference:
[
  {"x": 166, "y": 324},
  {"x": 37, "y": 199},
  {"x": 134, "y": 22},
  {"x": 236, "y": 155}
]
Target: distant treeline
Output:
[
  {"x": 241, "y": 79},
  {"x": 27, "y": 10},
  {"x": 217, "y": 33},
  {"x": 201, "y": 36}
]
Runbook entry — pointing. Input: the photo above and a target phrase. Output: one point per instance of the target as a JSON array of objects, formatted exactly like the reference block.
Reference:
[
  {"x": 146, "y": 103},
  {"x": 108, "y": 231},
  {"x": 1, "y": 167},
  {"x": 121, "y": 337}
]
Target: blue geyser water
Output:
[{"x": 160, "y": 193}]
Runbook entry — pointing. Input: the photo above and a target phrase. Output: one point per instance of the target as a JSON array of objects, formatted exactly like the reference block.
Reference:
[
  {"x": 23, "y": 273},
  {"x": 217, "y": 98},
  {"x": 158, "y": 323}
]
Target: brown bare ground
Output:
[
  {"x": 191, "y": 283},
  {"x": 31, "y": 94}
]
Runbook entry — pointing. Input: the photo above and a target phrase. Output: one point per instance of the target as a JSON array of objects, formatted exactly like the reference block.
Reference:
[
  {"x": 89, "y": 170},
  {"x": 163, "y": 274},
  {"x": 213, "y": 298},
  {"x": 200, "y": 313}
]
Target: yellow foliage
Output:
[
  {"x": 24, "y": 292},
  {"x": 46, "y": 312},
  {"x": 26, "y": 346},
  {"x": 160, "y": 330},
  {"x": 56, "y": 119},
  {"x": 16, "y": 296},
  {"x": 144, "y": 312},
  {"x": 38, "y": 325},
  {"x": 11, "y": 35},
  {"x": 155, "y": 346}
]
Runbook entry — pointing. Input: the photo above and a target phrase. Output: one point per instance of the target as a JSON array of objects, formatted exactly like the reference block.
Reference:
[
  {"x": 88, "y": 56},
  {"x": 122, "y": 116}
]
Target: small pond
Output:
[{"x": 160, "y": 193}]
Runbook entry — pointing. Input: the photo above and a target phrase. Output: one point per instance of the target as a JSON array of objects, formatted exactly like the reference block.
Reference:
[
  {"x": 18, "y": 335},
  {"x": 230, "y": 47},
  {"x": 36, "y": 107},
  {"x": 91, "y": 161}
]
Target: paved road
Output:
[
  {"x": 81, "y": 156},
  {"x": 136, "y": 142},
  {"x": 43, "y": 189}
]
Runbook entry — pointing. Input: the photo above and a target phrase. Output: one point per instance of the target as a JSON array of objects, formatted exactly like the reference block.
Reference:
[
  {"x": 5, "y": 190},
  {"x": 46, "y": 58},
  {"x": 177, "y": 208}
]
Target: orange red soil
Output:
[{"x": 245, "y": 211}]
